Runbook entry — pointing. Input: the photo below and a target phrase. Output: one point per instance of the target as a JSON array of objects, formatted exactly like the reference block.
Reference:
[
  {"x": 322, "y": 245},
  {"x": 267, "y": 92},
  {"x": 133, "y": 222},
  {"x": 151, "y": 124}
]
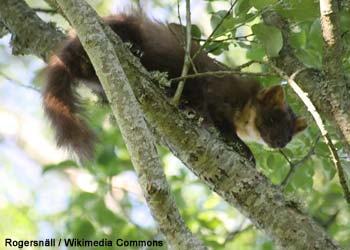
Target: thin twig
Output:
[
  {"x": 312, "y": 109},
  {"x": 49, "y": 11},
  {"x": 285, "y": 157},
  {"x": 224, "y": 39},
  {"x": 2, "y": 74},
  {"x": 245, "y": 65},
  {"x": 178, "y": 13},
  {"x": 327, "y": 223},
  {"x": 243, "y": 37},
  {"x": 221, "y": 73},
  {"x": 296, "y": 165},
  {"x": 187, "y": 60},
  {"x": 183, "y": 36},
  {"x": 215, "y": 29}
]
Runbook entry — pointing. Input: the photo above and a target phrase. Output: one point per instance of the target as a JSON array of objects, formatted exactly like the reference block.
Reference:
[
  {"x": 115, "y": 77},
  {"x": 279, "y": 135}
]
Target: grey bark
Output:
[
  {"x": 223, "y": 169},
  {"x": 30, "y": 35},
  {"x": 132, "y": 124},
  {"x": 334, "y": 72},
  {"x": 335, "y": 83}
]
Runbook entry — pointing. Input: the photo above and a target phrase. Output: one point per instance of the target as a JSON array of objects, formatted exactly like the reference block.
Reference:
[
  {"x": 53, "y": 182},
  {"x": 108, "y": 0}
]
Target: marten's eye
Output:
[{"x": 271, "y": 121}]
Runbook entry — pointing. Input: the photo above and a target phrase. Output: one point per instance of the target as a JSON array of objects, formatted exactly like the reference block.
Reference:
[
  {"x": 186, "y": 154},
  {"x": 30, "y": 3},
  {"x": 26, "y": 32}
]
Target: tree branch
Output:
[
  {"x": 2, "y": 74},
  {"x": 47, "y": 11},
  {"x": 335, "y": 84},
  {"x": 187, "y": 60},
  {"x": 30, "y": 35},
  {"x": 220, "y": 73},
  {"x": 296, "y": 165},
  {"x": 133, "y": 127},
  {"x": 236, "y": 38},
  {"x": 333, "y": 50},
  {"x": 221, "y": 167}
]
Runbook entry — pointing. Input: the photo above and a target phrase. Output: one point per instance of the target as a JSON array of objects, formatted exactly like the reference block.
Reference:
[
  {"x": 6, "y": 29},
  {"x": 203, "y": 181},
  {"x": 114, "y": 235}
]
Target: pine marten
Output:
[{"x": 235, "y": 106}]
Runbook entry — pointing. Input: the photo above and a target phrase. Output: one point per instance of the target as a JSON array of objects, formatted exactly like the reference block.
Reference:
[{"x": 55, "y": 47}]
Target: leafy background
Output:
[{"x": 45, "y": 193}]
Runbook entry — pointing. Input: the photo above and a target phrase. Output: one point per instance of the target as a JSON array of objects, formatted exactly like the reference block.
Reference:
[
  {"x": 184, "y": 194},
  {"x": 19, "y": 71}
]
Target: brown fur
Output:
[{"x": 226, "y": 102}]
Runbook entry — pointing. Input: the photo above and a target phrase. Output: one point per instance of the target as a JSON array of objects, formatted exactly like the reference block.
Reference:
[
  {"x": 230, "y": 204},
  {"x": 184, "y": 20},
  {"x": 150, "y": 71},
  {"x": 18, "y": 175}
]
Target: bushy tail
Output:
[
  {"x": 61, "y": 105},
  {"x": 64, "y": 111}
]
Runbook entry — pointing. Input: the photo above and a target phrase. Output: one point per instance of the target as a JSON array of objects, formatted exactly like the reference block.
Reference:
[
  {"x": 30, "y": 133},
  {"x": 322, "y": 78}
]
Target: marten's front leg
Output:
[{"x": 229, "y": 135}]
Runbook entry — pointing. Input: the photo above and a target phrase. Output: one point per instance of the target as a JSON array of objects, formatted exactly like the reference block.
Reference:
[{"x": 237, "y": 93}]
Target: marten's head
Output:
[
  {"x": 275, "y": 119},
  {"x": 269, "y": 119}
]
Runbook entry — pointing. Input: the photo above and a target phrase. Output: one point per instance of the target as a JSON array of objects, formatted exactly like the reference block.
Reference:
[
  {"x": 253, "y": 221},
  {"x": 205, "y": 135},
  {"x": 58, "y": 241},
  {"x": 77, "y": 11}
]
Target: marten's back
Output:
[{"x": 160, "y": 47}]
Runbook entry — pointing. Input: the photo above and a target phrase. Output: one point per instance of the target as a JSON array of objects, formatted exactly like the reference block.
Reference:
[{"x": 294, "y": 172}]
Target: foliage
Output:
[{"x": 110, "y": 203}]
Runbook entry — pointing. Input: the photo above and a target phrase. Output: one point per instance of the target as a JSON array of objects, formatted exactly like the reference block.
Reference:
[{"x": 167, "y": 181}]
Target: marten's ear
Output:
[
  {"x": 299, "y": 125},
  {"x": 272, "y": 96}
]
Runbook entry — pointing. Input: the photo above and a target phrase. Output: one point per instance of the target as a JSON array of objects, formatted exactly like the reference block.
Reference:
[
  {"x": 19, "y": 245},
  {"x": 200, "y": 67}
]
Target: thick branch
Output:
[
  {"x": 225, "y": 171},
  {"x": 333, "y": 51},
  {"x": 335, "y": 83},
  {"x": 132, "y": 124},
  {"x": 30, "y": 35}
]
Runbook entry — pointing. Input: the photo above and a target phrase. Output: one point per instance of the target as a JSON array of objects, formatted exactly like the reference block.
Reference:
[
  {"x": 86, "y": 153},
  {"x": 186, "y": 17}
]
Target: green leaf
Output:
[
  {"x": 60, "y": 166},
  {"x": 315, "y": 40},
  {"x": 86, "y": 201},
  {"x": 270, "y": 37},
  {"x": 209, "y": 220},
  {"x": 106, "y": 217},
  {"x": 259, "y": 4},
  {"x": 310, "y": 58},
  {"x": 216, "y": 48},
  {"x": 328, "y": 169},
  {"x": 299, "y": 10},
  {"x": 268, "y": 245},
  {"x": 256, "y": 53},
  {"x": 302, "y": 177},
  {"x": 270, "y": 162},
  {"x": 299, "y": 39},
  {"x": 83, "y": 229},
  {"x": 242, "y": 7},
  {"x": 228, "y": 24},
  {"x": 196, "y": 32},
  {"x": 217, "y": 17}
]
